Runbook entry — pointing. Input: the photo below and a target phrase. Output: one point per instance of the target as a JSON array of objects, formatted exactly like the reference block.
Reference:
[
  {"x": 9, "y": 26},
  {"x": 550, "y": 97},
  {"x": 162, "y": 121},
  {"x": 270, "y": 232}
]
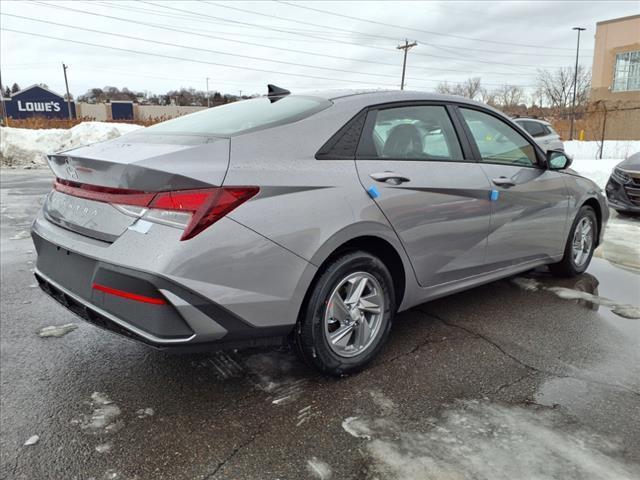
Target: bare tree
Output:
[
  {"x": 509, "y": 96},
  {"x": 557, "y": 87},
  {"x": 445, "y": 88},
  {"x": 488, "y": 96},
  {"x": 470, "y": 88}
]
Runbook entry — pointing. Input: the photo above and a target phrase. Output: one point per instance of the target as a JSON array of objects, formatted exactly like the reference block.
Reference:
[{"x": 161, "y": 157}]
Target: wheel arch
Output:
[
  {"x": 597, "y": 208},
  {"x": 379, "y": 242}
]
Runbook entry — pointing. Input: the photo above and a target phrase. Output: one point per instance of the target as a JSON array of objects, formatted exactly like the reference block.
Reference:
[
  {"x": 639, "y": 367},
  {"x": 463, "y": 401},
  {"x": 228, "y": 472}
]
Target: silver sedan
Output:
[{"x": 308, "y": 219}]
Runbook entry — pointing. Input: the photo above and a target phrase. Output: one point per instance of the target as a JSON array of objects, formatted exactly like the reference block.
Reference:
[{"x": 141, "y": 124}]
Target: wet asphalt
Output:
[{"x": 508, "y": 380}]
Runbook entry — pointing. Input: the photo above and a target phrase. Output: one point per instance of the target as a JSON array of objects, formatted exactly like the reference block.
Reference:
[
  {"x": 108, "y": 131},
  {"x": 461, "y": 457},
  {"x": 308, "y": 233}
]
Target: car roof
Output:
[
  {"x": 528, "y": 119},
  {"x": 363, "y": 98}
]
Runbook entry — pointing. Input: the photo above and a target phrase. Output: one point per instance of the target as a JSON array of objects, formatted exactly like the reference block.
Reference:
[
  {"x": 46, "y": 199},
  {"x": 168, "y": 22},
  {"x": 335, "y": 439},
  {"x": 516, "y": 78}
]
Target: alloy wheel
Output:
[
  {"x": 354, "y": 314},
  {"x": 582, "y": 241}
]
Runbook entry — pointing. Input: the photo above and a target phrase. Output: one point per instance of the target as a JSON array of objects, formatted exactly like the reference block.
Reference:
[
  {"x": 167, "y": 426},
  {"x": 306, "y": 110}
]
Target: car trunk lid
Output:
[{"x": 96, "y": 184}]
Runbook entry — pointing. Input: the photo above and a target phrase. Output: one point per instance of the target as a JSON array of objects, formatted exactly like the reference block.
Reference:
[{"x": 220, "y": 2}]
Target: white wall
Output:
[
  {"x": 144, "y": 112},
  {"x": 98, "y": 111},
  {"x": 102, "y": 111}
]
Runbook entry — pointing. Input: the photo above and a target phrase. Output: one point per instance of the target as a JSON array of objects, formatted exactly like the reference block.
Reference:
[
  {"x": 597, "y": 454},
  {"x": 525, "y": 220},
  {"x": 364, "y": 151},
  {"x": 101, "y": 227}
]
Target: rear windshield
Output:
[{"x": 243, "y": 116}]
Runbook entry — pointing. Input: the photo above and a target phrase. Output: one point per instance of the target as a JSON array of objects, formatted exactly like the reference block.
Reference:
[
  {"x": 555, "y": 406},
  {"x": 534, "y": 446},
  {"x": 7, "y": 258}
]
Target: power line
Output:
[
  {"x": 394, "y": 39},
  {"x": 173, "y": 57},
  {"x": 204, "y": 62},
  {"x": 170, "y": 28},
  {"x": 344, "y": 42},
  {"x": 218, "y": 52},
  {"x": 391, "y": 39},
  {"x": 298, "y": 5}
]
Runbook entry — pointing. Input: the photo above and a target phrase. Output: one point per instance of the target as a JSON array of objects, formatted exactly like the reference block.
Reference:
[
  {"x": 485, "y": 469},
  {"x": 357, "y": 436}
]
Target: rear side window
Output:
[
  {"x": 243, "y": 116},
  {"x": 535, "y": 129},
  {"x": 497, "y": 141},
  {"x": 411, "y": 133}
]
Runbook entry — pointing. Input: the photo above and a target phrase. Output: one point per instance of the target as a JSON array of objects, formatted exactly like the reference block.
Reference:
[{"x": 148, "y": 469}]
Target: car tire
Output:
[
  {"x": 339, "y": 331},
  {"x": 572, "y": 263}
]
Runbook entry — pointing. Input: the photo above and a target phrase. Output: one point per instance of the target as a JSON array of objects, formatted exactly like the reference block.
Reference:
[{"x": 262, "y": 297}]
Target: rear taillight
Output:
[
  {"x": 104, "y": 194},
  {"x": 192, "y": 210},
  {"x": 203, "y": 207}
]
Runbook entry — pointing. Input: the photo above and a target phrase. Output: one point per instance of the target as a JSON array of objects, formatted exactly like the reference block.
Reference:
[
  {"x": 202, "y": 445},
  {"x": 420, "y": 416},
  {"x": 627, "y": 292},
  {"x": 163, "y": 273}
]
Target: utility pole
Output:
[
  {"x": 208, "y": 105},
  {"x": 575, "y": 84},
  {"x": 240, "y": 94},
  {"x": 5, "y": 119},
  {"x": 66, "y": 83},
  {"x": 406, "y": 47}
]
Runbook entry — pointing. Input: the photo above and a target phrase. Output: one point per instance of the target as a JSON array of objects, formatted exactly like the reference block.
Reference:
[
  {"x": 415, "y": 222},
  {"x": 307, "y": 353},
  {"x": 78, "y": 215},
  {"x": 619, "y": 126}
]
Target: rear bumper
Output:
[
  {"x": 180, "y": 295},
  {"x": 184, "y": 319}
]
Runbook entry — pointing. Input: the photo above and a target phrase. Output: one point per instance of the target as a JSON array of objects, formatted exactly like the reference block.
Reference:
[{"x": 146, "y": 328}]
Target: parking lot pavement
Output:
[{"x": 532, "y": 377}]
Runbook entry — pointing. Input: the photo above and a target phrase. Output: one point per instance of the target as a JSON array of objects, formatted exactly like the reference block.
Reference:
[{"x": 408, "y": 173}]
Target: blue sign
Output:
[
  {"x": 121, "y": 110},
  {"x": 36, "y": 101}
]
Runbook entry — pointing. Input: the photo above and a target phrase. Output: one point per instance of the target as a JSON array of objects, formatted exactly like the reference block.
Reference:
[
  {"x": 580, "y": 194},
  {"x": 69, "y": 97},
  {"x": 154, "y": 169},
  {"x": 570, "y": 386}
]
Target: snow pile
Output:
[
  {"x": 23, "y": 147},
  {"x": 597, "y": 170},
  {"x": 612, "y": 149},
  {"x": 586, "y": 162}
]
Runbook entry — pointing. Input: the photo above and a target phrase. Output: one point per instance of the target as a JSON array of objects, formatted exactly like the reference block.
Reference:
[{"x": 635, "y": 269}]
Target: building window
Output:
[{"x": 626, "y": 75}]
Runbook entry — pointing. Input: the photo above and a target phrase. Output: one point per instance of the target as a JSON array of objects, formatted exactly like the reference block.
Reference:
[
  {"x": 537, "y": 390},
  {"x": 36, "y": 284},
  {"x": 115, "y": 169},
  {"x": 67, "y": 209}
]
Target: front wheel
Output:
[
  {"x": 580, "y": 245},
  {"x": 348, "y": 315}
]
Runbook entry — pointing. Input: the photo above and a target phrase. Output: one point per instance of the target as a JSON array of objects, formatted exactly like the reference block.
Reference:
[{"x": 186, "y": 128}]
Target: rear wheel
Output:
[
  {"x": 580, "y": 245},
  {"x": 348, "y": 314}
]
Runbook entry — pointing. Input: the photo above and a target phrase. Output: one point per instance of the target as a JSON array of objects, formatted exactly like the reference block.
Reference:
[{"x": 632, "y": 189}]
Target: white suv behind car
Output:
[{"x": 542, "y": 132}]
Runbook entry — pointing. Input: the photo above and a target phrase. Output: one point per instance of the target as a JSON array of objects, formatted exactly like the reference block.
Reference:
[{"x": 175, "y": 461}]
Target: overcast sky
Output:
[{"x": 244, "y": 45}]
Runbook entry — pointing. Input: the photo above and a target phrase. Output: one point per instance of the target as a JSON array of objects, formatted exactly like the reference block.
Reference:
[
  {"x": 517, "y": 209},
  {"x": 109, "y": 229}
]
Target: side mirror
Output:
[{"x": 558, "y": 160}]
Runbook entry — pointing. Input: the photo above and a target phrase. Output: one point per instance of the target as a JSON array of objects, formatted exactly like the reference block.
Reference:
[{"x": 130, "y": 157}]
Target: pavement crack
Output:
[
  {"x": 234, "y": 452},
  {"x": 509, "y": 384},
  {"x": 409, "y": 352},
  {"x": 489, "y": 341},
  {"x": 523, "y": 363}
]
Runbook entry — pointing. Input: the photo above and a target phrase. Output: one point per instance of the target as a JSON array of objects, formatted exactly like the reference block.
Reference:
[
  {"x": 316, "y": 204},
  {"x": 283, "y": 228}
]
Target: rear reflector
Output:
[
  {"x": 128, "y": 295},
  {"x": 193, "y": 210}
]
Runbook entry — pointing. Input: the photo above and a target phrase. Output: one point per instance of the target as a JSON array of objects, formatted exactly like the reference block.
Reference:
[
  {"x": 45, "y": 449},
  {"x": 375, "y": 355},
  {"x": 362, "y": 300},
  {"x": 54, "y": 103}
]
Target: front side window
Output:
[
  {"x": 413, "y": 133},
  {"x": 497, "y": 141},
  {"x": 626, "y": 75},
  {"x": 243, "y": 116}
]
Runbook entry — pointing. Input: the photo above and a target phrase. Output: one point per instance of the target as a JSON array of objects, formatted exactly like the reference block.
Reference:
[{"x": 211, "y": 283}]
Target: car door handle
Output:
[
  {"x": 389, "y": 177},
  {"x": 503, "y": 182}
]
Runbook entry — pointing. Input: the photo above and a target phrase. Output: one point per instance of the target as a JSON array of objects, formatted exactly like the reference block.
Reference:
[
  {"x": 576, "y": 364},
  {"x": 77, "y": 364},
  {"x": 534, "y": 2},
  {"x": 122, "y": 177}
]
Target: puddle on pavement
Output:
[
  {"x": 621, "y": 244},
  {"x": 612, "y": 291}
]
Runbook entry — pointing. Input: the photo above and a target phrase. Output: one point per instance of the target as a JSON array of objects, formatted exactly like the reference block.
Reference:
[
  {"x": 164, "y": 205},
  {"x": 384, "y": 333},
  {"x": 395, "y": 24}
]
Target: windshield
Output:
[{"x": 244, "y": 116}]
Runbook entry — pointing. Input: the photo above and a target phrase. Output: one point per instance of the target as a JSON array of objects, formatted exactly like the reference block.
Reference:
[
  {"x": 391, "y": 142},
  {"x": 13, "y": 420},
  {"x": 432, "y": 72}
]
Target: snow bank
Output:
[
  {"x": 596, "y": 170},
  {"x": 22, "y": 147},
  {"x": 586, "y": 162},
  {"x": 612, "y": 149}
]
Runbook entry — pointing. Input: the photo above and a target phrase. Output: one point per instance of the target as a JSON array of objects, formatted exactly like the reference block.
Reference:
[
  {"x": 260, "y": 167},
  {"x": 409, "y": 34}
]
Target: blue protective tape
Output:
[
  {"x": 373, "y": 191},
  {"x": 495, "y": 194}
]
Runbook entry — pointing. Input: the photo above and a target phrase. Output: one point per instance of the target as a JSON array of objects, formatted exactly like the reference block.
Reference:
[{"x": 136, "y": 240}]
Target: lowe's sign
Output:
[{"x": 36, "y": 101}]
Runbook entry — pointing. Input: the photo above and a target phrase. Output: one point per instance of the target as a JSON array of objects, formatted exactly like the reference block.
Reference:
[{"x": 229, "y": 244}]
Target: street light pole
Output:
[
  {"x": 208, "y": 93},
  {"x": 575, "y": 84},
  {"x": 5, "y": 118}
]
